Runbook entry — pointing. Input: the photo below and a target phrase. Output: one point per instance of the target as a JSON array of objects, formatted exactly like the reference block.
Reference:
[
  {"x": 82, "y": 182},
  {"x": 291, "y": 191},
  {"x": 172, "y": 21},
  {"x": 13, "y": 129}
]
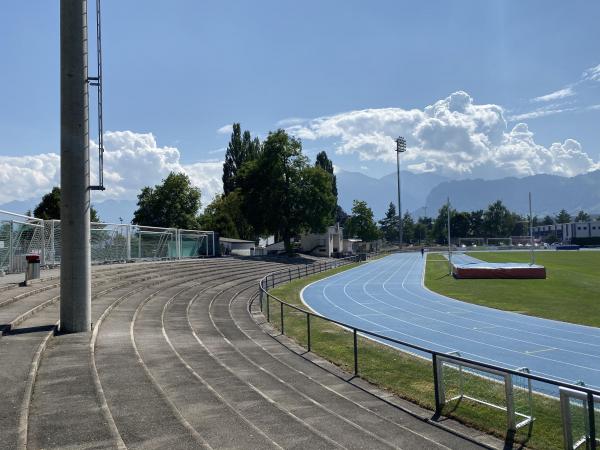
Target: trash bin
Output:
[{"x": 33, "y": 267}]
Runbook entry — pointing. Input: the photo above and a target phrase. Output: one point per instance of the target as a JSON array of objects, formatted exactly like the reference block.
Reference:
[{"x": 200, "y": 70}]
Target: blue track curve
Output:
[{"x": 387, "y": 296}]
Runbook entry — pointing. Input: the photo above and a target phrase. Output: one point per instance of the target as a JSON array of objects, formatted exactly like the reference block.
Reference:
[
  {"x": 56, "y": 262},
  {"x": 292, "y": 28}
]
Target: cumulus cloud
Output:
[
  {"x": 131, "y": 161},
  {"x": 225, "y": 129},
  {"x": 454, "y": 136},
  {"x": 23, "y": 177},
  {"x": 556, "y": 95}
]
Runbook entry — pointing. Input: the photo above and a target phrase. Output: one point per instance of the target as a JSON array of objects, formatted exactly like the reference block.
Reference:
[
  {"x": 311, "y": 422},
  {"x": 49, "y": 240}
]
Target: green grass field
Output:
[
  {"x": 409, "y": 376},
  {"x": 571, "y": 291}
]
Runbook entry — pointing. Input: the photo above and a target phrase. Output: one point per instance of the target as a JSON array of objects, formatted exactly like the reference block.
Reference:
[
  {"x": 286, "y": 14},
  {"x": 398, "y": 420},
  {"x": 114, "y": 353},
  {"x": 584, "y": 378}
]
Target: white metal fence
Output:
[{"x": 21, "y": 235}]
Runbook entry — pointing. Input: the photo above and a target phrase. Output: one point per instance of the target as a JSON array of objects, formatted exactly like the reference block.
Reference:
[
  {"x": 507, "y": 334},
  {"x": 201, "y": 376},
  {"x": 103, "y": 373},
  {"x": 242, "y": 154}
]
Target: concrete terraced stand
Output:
[{"x": 175, "y": 360}]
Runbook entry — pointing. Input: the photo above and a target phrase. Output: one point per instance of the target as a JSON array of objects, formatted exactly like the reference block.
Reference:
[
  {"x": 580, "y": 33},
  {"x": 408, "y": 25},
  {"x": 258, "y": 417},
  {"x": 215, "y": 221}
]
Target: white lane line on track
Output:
[
  {"x": 435, "y": 343},
  {"x": 405, "y": 300},
  {"x": 529, "y": 352},
  {"x": 432, "y": 344},
  {"x": 518, "y": 319}
]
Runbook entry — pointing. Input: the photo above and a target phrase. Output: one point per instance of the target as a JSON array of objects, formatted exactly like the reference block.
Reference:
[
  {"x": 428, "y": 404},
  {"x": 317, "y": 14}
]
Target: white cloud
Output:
[
  {"x": 23, "y": 177},
  {"x": 556, "y": 95},
  {"x": 592, "y": 74},
  {"x": 454, "y": 136},
  {"x": 541, "y": 112},
  {"x": 131, "y": 161},
  {"x": 225, "y": 129}
]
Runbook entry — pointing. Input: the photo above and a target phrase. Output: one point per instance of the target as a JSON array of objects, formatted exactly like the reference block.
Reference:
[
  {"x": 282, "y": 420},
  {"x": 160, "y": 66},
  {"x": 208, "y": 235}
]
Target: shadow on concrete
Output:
[{"x": 7, "y": 331}]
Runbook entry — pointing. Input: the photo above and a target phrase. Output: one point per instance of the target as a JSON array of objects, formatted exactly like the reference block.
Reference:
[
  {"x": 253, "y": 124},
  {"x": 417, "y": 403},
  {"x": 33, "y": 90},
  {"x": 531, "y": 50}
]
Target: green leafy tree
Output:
[
  {"x": 327, "y": 165},
  {"x": 389, "y": 224},
  {"x": 241, "y": 148},
  {"x": 476, "y": 227},
  {"x": 218, "y": 216},
  {"x": 361, "y": 224},
  {"x": 408, "y": 228},
  {"x": 498, "y": 221},
  {"x": 173, "y": 203},
  {"x": 582, "y": 217},
  {"x": 460, "y": 224},
  {"x": 548, "y": 220},
  {"x": 563, "y": 217},
  {"x": 49, "y": 207},
  {"x": 341, "y": 216},
  {"x": 282, "y": 194}
]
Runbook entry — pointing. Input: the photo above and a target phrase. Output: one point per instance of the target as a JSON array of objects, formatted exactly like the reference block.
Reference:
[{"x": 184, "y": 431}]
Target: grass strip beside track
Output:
[
  {"x": 407, "y": 375},
  {"x": 570, "y": 293}
]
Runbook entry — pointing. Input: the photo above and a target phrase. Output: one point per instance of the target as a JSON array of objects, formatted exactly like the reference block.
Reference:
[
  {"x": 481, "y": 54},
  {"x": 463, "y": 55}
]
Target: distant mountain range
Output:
[
  {"x": 550, "y": 193},
  {"x": 424, "y": 194}
]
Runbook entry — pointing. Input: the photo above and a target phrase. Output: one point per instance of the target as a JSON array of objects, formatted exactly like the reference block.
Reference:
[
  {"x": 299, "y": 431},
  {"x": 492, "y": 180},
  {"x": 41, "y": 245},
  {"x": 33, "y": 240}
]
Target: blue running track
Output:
[{"x": 387, "y": 296}]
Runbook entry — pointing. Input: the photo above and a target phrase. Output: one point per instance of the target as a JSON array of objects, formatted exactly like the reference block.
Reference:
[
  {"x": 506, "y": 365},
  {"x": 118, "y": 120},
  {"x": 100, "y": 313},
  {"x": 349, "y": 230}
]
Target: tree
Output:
[
  {"x": 389, "y": 224},
  {"x": 476, "y": 228},
  {"x": 327, "y": 165},
  {"x": 582, "y": 217},
  {"x": 361, "y": 224},
  {"x": 341, "y": 216},
  {"x": 49, "y": 207},
  {"x": 498, "y": 221},
  {"x": 283, "y": 195},
  {"x": 563, "y": 217},
  {"x": 241, "y": 148},
  {"x": 172, "y": 204},
  {"x": 218, "y": 217},
  {"x": 548, "y": 220},
  {"x": 408, "y": 228}
]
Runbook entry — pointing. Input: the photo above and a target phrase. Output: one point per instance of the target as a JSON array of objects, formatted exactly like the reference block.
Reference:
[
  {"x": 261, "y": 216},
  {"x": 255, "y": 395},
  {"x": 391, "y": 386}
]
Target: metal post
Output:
[
  {"x": 281, "y": 314},
  {"x": 290, "y": 274},
  {"x": 10, "y": 247},
  {"x": 355, "y": 353},
  {"x": 139, "y": 243},
  {"x": 75, "y": 267},
  {"x": 449, "y": 241},
  {"x": 128, "y": 251},
  {"x": 43, "y": 254},
  {"x": 591, "y": 421},
  {"x": 436, "y": 385},
  {"x": 400, "y": 148},
  {"x": 268, "y": 309},
  {"x": 308, "y": 330}
]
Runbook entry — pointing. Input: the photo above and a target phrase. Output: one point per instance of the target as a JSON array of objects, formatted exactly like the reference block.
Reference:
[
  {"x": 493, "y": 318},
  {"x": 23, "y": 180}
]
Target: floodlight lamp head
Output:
[{"x": 400, "y": 144}]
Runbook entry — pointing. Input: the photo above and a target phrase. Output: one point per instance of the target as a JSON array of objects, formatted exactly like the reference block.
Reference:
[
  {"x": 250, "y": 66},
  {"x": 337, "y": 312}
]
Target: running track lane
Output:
[{"x": 387, "y": 296}]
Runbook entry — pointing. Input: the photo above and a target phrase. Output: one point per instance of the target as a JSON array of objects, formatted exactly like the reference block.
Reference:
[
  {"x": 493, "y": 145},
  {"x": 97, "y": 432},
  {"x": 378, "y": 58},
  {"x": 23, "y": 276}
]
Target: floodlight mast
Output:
[
  {"x": 75, "y": 266},
  {"x": 400, "y": 148}
]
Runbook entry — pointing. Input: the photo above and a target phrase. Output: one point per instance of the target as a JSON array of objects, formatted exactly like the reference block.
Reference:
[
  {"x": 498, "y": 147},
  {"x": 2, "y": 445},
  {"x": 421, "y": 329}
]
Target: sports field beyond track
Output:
[{"x": 570, "y": 293}]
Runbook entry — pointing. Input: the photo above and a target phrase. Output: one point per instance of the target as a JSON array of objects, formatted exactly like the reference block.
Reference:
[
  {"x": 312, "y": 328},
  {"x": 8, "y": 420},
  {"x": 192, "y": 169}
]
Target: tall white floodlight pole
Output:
[
  {"x": 531, "y": 231},
  {"x": 449, "y": 245},
  {"x": 75, "y": 265},
  {"x": 400, "y": 148}
]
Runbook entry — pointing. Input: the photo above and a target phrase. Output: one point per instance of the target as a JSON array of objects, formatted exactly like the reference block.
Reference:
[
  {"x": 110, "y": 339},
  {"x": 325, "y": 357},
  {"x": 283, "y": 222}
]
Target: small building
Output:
[
  {"x": 326, "y": 244},
  {"x": 568, "y": 232},
  {"x": 239, "y": 247},
  {"x": 351, "y": 246}
]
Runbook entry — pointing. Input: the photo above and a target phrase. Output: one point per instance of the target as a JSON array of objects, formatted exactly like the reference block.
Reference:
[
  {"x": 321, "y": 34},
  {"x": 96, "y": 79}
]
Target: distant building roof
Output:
[{"x": 235, "y": 241}]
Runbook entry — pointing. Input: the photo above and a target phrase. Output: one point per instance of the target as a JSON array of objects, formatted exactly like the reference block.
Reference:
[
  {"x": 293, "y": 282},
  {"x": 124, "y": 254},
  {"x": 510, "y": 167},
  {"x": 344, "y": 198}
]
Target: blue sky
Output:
[{"x": 182, "y": 70}]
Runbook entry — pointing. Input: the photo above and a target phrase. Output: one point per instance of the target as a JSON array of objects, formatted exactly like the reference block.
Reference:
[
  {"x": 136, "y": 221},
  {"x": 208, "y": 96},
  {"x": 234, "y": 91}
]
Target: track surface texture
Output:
[
  {"x": 388, "y": 296},
  {"x": 175, "y": 360}
]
